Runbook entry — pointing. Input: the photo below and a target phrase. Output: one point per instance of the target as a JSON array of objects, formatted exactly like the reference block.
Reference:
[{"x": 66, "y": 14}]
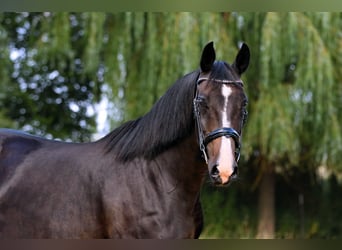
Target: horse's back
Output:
[{"x": 14, "y": 147}]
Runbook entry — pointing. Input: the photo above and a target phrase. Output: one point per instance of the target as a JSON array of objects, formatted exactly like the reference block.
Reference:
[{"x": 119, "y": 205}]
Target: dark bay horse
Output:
[{"x": 143, "y": 179}]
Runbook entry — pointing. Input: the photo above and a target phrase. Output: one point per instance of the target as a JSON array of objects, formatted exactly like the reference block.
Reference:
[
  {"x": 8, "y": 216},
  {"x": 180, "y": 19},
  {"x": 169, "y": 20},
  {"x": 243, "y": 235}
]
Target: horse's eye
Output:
[
  {"x": 202, "y": 103},
  {"x": 200, "y": 99}
]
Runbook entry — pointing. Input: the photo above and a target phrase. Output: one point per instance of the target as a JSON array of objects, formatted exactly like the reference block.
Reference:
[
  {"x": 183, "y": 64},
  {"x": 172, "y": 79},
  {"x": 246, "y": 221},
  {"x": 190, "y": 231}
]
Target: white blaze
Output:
[{"x": 226, "y": 156}]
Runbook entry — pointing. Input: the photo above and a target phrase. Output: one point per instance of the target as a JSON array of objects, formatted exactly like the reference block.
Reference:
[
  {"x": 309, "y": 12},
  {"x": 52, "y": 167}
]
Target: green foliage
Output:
[
  {"x": 156, "y": 52},
  {"x": 232, "y": 212},
  {"x": 228, "y": 213},
  {"x": 5, "y": 63},
  {"x": 50, "y": 86},
  {"x": 295, "y": 112}
]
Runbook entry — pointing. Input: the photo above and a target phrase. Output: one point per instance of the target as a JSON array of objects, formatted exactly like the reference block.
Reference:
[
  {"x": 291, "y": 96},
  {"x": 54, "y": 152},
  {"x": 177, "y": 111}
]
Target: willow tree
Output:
[
  {"x": 295, "y": 108},
  {"x": 154, "y": 49}
]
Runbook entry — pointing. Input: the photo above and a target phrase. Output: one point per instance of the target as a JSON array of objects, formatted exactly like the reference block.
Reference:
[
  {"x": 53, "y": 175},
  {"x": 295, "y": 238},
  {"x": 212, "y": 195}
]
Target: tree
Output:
[
  {"x": 53, "y": 75},
  {"x": 154, "y": 51},
  {"x": 294, "y": 91}
]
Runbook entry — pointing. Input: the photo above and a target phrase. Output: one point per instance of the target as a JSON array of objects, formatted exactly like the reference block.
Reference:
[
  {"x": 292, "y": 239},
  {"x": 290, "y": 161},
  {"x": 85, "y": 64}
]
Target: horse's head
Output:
[{"x": 220, "y": 111}]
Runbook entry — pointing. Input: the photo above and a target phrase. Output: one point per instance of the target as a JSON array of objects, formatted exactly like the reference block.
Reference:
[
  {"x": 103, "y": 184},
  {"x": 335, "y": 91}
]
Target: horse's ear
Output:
[
  {"x": 242, "y": 59},
  {"x": 208, "y": 57}
]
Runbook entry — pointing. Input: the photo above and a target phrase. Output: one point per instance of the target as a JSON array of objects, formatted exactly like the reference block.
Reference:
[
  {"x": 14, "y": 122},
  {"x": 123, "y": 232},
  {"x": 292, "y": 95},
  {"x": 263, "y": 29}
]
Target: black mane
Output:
[{"x": 168, "y": 122}]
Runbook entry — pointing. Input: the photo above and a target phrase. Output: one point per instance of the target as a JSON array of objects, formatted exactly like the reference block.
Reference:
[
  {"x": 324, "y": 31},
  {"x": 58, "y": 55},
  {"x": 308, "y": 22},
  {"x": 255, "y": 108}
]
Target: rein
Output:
[{"x": 203, "y": 139}]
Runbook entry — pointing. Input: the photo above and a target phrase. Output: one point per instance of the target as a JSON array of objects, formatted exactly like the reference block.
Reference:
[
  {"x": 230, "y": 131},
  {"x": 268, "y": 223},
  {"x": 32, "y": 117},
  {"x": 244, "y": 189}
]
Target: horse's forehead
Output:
[
  {"x": 209, "y": 89},
  {"x": 220, "y": 90}
]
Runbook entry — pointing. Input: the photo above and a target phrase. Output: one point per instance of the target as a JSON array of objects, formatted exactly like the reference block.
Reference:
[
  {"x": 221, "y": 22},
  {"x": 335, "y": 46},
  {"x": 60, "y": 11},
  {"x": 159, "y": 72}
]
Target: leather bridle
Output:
[{"x": 203, "y": 139}]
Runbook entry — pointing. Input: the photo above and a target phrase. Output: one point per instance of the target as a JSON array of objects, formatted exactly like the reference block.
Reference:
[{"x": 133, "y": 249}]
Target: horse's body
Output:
[
  {"x": 140, "y": 181},
  {"x": 83, "y": 190}
]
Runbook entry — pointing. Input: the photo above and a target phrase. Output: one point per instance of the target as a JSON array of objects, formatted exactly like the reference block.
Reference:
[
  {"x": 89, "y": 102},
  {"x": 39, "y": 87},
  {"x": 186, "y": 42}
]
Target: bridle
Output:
[{"x": 204, "y": 140}]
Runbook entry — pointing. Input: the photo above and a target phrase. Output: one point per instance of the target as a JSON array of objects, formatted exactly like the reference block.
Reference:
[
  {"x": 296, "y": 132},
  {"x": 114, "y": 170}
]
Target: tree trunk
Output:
[{"x": 266, "y": 223}]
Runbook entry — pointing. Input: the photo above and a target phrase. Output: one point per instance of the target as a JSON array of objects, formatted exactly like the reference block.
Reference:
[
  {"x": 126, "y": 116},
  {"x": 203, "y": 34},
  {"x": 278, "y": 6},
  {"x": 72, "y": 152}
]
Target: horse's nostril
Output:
[
  {"x": 234, "y": 174},
  {"x": 214, "y": 172},
  {"x": 215, "y": 175}
]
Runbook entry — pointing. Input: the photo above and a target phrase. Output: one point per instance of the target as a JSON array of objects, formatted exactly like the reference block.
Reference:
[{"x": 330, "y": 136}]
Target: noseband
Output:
[{"x": 204, "y": 140}]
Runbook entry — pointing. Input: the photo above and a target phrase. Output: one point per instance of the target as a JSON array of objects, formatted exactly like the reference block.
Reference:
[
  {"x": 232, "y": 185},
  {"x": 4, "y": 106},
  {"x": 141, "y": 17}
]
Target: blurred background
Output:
[{"x": 77, "y": 76}]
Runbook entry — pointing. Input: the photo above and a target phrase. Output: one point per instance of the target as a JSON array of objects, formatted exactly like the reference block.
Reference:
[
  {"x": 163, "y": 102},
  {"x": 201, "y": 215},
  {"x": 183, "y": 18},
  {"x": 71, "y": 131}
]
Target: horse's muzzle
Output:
[{"x": 219, "y": 178}]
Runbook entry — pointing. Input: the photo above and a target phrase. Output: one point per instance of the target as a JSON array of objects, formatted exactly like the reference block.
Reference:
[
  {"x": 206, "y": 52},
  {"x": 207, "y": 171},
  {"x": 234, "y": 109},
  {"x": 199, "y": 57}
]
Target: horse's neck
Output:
[{"x": 184, "y": 165}]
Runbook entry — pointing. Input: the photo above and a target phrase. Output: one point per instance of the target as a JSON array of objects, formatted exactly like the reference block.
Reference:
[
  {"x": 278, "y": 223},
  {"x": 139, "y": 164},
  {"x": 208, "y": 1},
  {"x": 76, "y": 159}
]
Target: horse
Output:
[{"x": 143, "y": 179}]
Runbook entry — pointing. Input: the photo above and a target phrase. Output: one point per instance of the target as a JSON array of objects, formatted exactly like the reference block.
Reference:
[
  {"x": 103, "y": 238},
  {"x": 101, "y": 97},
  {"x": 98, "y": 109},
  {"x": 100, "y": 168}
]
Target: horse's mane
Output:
[{"x": 168, "y": 122}]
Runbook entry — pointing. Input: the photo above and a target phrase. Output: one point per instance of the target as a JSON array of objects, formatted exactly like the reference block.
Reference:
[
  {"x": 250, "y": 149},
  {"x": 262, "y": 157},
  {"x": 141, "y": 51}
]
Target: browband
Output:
[{"x": 201, "y": 79}]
